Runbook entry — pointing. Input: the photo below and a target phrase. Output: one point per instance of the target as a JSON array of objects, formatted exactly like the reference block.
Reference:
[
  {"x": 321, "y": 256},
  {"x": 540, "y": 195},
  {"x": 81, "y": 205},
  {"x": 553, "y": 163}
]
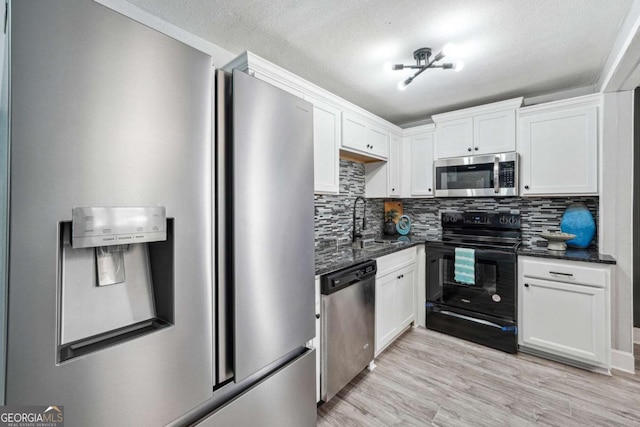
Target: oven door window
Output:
[
  {"x": 464, "y": 177},
  {"x": 494, "y": 289}
]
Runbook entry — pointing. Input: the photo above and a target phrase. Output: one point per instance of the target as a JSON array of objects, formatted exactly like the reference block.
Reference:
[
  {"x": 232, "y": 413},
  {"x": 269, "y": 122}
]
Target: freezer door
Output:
[
  {"x": 283, "y": 399},
  {"x": 272, "y": 217}
]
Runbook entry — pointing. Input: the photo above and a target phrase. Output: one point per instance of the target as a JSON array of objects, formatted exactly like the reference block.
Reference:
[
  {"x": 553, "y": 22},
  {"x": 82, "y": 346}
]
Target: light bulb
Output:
[
  {"x": 459, "y": 66},
  {"x": 450, "y": 49},
  {"x": 403, "y": 84},
  {"x": 387, "y": 66}
]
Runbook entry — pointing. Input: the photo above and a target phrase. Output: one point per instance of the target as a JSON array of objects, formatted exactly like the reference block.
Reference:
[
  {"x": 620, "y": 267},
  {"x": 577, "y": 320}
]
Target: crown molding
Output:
[{"x": 509, "y": 104}]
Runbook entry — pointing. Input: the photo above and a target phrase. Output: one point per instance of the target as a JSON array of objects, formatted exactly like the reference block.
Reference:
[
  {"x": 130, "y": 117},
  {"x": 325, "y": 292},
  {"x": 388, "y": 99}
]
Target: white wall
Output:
[{"x": 616, "y": 210}]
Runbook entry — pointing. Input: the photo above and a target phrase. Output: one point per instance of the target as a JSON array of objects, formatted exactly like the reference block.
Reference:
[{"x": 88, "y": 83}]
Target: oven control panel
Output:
[{"x": 480, "y": 219}]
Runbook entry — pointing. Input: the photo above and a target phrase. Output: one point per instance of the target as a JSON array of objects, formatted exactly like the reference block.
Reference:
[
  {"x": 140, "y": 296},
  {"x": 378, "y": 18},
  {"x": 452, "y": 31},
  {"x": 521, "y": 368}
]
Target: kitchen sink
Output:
[{"x": 373, "y": 244}]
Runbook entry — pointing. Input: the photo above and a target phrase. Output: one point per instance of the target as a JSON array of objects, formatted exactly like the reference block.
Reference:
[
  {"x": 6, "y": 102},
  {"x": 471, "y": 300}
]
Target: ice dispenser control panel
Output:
[{"x": 107, "y": 226}]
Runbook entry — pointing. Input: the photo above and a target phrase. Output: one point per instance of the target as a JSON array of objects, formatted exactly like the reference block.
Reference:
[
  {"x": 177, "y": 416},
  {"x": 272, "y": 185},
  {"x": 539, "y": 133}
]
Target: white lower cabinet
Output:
[
  {"x": 564, "y": 310},
  {"x": 395, "y": 296},
  {"x": 386, "y": 308}
]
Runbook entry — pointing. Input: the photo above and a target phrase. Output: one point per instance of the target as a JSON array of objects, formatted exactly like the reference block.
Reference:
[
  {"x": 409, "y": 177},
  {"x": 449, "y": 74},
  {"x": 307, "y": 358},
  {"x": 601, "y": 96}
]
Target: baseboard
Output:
[
  {"x": 636, "y": 335},
  {"x": 622, "y": 361}
]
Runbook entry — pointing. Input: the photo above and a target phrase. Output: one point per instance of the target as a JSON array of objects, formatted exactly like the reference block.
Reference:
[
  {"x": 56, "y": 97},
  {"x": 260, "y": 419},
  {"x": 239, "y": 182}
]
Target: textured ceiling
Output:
[{"x": 510, "y": 47}]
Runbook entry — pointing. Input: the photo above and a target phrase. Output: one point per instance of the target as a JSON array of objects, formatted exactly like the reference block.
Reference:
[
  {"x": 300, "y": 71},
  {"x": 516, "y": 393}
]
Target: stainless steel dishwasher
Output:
[{"x": 348, "y": 322}]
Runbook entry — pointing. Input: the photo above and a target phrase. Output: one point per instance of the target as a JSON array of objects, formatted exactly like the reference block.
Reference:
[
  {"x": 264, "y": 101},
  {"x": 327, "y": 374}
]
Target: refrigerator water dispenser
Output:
[{"x": 116, "y": 277}]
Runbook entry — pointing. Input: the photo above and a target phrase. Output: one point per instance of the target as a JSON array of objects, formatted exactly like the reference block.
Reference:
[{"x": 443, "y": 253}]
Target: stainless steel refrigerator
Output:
[{"x": 156, "y": 274}]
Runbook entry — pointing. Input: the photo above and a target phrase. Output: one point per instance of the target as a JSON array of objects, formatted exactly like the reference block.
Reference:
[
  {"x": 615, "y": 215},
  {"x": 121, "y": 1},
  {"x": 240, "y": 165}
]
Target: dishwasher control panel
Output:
[{"x": 340, "y": 279}]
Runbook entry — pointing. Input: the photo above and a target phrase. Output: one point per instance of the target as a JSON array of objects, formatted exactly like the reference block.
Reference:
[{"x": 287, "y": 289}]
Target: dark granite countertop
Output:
[
  {"x": 571, "y": 254},
  {"x": 332, "y": 258}
]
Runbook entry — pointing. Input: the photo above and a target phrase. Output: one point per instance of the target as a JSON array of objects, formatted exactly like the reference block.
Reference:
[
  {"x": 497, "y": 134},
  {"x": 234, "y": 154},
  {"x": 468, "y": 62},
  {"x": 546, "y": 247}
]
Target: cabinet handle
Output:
[
  {"x": 468, "y": 149},
  {"x": 393, "y": 189},
  {"x": 526, "y": 285},
  {"x": 476, "y": 148},
  {"x": 317, "y": 315},
  {"x": 526, "y": 187},
  {"x": 561, "y": 274}
]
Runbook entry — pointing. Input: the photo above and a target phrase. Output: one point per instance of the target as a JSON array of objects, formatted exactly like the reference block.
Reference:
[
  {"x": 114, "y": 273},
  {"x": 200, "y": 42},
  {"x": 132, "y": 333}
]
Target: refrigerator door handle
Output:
[{"x": 223, "y": 344}]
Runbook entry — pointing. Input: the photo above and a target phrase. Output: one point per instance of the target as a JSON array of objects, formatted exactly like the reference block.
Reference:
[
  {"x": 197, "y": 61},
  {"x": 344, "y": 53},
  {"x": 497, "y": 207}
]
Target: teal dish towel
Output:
[{"x": 465, "y": 266}]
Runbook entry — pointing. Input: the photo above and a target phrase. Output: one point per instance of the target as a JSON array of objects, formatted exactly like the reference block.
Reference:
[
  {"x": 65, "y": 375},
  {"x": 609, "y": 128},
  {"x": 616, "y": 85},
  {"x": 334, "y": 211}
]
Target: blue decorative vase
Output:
[{"x": 578, "y": 220}]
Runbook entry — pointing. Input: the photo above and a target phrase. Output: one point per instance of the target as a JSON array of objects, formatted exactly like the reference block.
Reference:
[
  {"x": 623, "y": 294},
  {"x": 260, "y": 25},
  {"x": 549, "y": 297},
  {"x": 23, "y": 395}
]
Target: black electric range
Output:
[{"x": 472, "y": 280}]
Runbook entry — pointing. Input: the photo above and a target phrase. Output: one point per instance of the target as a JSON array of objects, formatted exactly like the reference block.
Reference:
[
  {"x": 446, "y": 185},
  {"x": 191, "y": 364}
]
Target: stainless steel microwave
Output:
[{"x": 492, "y": 175}]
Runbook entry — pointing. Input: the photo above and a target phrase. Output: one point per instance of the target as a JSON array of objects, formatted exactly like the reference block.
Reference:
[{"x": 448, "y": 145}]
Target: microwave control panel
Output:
[{"x": 506, "y": 174}]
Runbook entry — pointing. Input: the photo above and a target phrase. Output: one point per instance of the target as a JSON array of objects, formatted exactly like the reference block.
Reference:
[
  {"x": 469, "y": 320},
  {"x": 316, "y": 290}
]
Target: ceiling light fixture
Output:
[{"x": 424, "y": 61}]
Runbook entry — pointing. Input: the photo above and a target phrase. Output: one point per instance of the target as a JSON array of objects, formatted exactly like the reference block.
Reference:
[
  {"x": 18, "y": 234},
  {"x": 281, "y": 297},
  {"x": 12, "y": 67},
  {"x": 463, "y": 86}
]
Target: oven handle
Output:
[
  {"x": 469, "y": 318},
  {"x": 496, "y": 173}
]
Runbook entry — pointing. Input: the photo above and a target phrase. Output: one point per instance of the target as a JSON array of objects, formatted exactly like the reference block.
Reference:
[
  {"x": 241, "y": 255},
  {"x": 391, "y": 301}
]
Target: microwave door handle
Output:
[{"x": 496, "y": 172}]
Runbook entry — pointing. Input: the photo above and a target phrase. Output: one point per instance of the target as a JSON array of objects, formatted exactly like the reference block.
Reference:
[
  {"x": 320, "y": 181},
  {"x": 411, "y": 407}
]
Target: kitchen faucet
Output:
[{"x": 355, "y": 235}]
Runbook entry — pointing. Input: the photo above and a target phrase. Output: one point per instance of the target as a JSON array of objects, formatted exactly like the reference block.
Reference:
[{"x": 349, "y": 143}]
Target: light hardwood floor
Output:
[{"x": 430, "y": 379}]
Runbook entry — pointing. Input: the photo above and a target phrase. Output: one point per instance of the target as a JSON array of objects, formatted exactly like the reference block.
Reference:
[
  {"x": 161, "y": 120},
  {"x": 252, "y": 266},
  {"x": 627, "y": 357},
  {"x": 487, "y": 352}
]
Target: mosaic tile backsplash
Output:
[{"x": 334, "y": 213}]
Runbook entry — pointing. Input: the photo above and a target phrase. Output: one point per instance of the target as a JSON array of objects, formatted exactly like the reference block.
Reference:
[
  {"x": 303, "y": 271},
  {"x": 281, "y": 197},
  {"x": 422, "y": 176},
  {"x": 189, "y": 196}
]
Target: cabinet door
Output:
[
  {"x": 564, "y": 319},
  {"x": 494, "y": 132},
  {"x": 354, "y": 132},
  {"x": 395, "y": 166},
  {"x": 376, "y": 179},
  {"x": 406, "y": 296},
  {"x": 421, "y": 165},
  {"x": 454, "y": 138},
  {"x": 386, "y": 303},
  {"x": 326, "y": 147},
  {"x": 559, "y": 152},
  {"x": 378, "y": 142}
]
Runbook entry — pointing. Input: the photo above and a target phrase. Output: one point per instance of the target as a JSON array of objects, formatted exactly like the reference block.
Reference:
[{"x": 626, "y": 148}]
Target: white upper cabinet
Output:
[
  {"x": 363, "y": 138},
  {"x": 327, "y": 132},
  {"x": 455, "y": 138},
  {"x": 558, "y": 146},
  {"x": 417, "y": 161},
  {"x": 354, "y": 133},
  {"x": 384, "y": 179},
  {"x": 395, "y": 166},
  {"x": 421, "y": 165},
  {"x": 486, "y": 129},
  {"x": 494, "y": 132},
  {"x": 379, "y": 141}
]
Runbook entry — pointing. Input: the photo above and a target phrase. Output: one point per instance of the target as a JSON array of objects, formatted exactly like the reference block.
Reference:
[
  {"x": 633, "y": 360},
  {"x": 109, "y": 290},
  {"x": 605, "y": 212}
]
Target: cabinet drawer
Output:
[
  {"x": 565, "y": 271},
  {"x": 395, "y": 261}
]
